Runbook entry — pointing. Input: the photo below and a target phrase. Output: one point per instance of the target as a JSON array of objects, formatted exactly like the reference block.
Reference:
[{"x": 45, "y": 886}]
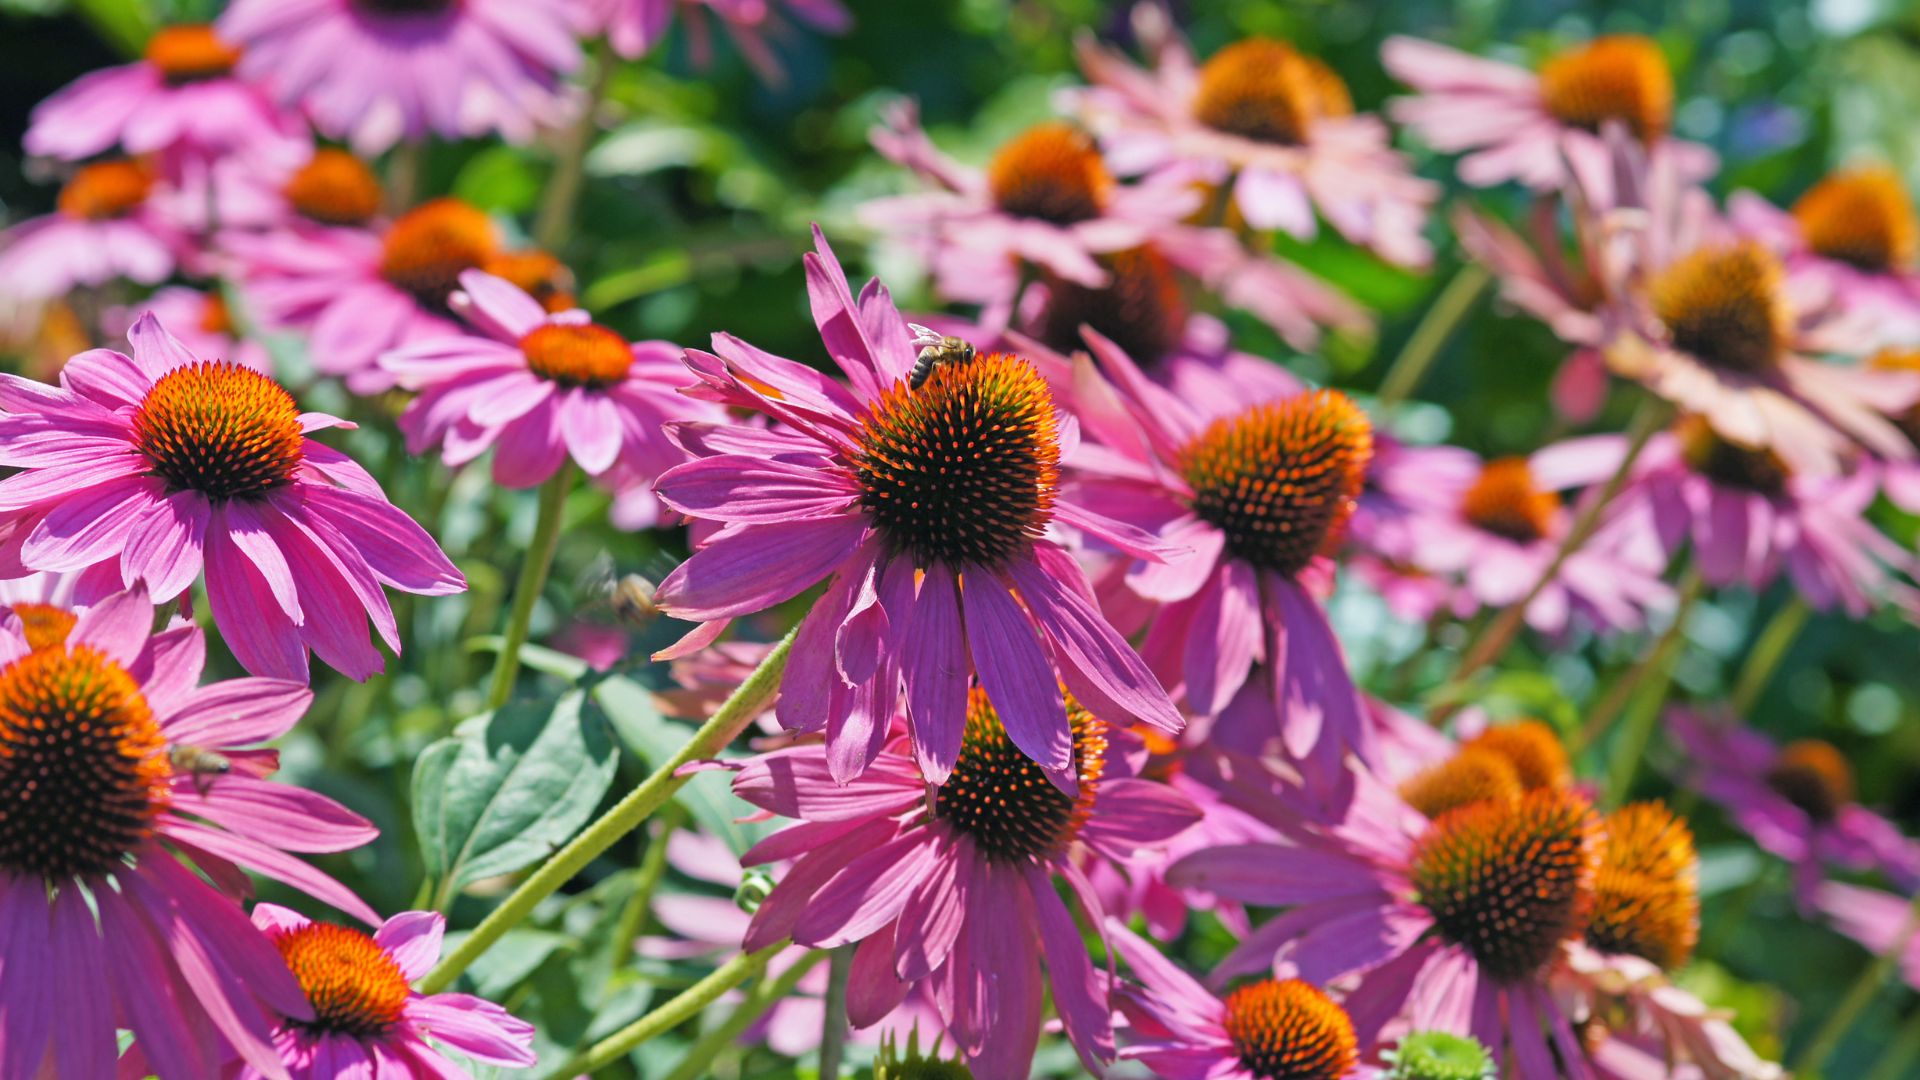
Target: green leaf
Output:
[
  {"x": 511, "y": 959},
  {"x": 510, "y": 787}
]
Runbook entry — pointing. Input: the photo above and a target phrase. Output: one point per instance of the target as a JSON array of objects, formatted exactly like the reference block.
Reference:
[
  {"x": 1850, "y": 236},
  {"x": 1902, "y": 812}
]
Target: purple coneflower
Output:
[
  {"x": 104, "y": 227},
  {"x": 1520, "y": 124},
  {"x": 363, "y": 1019},
  {"x": 375, "y": 72},
  {"x": 180, "y": 99},
  {"x": 1797, "y": 801},
  {"x": 538, "y": 388},
  {"x": 168, "y": 464},
  {"x": 1272, "y": 126},
  {"x": 121, "y": 776},
  {"x": 924, "y": 503},
  {"x": 956, "y": 885}
]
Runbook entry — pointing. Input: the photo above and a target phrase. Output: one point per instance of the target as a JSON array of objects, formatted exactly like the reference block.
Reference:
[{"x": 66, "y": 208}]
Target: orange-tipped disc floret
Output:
[
  {"x": 1509, "y": 882},
  {"x": 190, "y": 53},
  {"x": 964, "y": 468},
  {"x": 105, "y": 190},
  {"x": 45, "y": 624},
  {"x": 1280, "y": 479},
  {"x": 356, "y": 988},
  {"x": 1532, "y": 748},
  {"x": 538, "y": 274},
  {"x": 221, "y": 429},
  {"x": 1141, "y": 308},
  {"x": 1000, "y": 798},
  {"x": 1862, "y": 217},
  {"x": 1623, "y": 77},
  {"x": 429, "y": 246},
  {"x": 1506, "y": 501},
  {"x": 1647, "y": 895},
  {"x": 577, "y": 354},
  {"x": 334, "y": 188},
  {"x": 1814, "y": 776},
  {"x": 1052, "y": 172},
  {"x": 1467, "y": 777},
  {"x": 1266, "y": 90},
  {"x": 83, "y": 767},
  {"x": 1727, "y": 307},
  {"x": 1286, "y": 1029},
  {"x": 1726, "y": 462}
]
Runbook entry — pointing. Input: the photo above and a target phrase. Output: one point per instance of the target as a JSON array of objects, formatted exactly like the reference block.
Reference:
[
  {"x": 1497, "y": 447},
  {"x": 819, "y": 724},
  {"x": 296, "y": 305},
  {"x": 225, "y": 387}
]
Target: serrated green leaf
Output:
[{"x": 513, "y": 786}]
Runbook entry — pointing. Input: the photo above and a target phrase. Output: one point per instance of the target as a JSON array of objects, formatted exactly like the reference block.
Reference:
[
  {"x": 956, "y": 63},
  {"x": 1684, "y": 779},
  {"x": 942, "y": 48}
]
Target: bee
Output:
[
  {"x": 935, "y": 349},
  {"x": 200, "y": 763},
  {"x": 629, "y": 596}
]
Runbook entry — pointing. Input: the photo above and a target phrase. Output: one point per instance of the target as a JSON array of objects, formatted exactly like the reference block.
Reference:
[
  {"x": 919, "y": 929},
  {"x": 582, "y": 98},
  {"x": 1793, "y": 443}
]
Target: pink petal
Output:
[
  {"x": 412, "y": 938},
  {"x": 1013, "y": 670},
  {"x": 751, "y": 570}
]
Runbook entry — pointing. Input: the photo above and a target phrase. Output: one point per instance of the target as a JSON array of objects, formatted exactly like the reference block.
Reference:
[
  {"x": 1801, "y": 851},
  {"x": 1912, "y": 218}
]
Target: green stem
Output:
[
  {"x": 764, "y": 995},
  {"x": 1765, "y": 656},
  {"x": 403, "y": 175},
  {"x": 833, "y": 1029},
  {"x": 1900, "y": 1053},
  {"x": 1657, "y": 676},
  {"x": 1658, "y": 660},
  {"x": 533, "y": 578},
  {"x": 653, "y": 867},
  {"x": 627, "y": 815},
  {"x": 1499, "y": 633},
  {"x": 1423, "y": 346},
  {"x": 555, "y": 221},
  {"x": 683, "y": 1007},
  {"x": 1860, "y": 995}
]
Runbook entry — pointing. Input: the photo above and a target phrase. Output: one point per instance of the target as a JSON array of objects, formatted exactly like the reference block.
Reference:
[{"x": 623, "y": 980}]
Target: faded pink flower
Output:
[{"x": 170, "y": 465}]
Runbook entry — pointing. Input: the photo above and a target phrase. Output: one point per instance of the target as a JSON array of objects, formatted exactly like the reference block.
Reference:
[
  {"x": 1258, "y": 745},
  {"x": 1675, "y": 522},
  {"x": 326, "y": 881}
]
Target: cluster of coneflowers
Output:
[{"x": 1065, "y": 672}]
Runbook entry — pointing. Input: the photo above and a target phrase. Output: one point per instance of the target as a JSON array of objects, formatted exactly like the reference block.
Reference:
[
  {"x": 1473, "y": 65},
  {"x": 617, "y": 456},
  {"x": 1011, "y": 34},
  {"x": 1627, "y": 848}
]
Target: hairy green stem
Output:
[
  {"x": 1765, "y": 656},
  {"x": 533, "y": 578},
  {"x": 555, "y": 221},
  {"x": 1423, "y": 346},
  {"x": 764, "y": 995},
  {"x": 833, "y": 1028},
  {"x": 1500, "y": 632},
  {"x": 681, "y": 1008},
  {"x": 625, "y": 816},
  {"x": 653, "y": 867},
  {"x": 1818, "y": 1049}
]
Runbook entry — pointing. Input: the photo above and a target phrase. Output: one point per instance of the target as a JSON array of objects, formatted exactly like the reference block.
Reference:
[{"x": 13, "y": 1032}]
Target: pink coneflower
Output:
[
  {"x": 122, "y": 778},
  {"x": 1271, "y": 1028},
  {"x": 705, "y": 926},
  {"x": 363, "y": 1019},
  {"x": 358, "y": 294},
  {"x": 1450, "y": 924},
  {"x": 1654, "y": 1029},
  {"x": 1709, "y": 320},
  {"x": 1796, "y": 801},
  {"x": 918, "y": 503},
  {"x": 1045, "y": 201},
  {"x": 180, "y": 99},
  {"x": 538, "y": 388},
  {"x": 104, "y": 228},
  {"x": 168, "y": 464},
  {"x": 375, "y": 72},
  {"x": 1507, "y": 527},
  {"x": 1257, "y": 482},
  {"x": 1749, "y": 518},
  {"x": 200, "y": 320},
  {"x": 957, "y": 885},
  {"x": 1271, "y": 126},
  {"x": 1855, "y": 235},
  {"x": 1516, "y": 122},
  {"x": 634, "y": 27}
]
